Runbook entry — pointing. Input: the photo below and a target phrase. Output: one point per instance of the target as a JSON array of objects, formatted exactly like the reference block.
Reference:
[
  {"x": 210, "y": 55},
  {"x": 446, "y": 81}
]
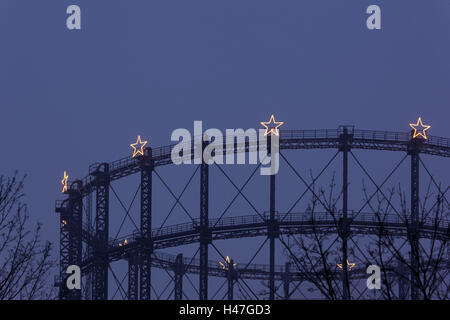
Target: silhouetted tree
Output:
[
  {"x": 408, "y": 253},
  {"x": 316, "y": 253},
  {"x": 25, "y": 262},
  {"x": 420, "y": 258}
]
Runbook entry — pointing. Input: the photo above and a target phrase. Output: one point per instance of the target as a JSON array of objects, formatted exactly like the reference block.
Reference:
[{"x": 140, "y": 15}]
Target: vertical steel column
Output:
[
  {"x": 231, "y": 278},
  {"x": 75, "y": 233},
  {"x": 71, "y": 213},
  {"x": 89, "y": 249},
  {"x": 448, "y": 252},
  {"x": 402, "y": 274},
  {"x": 133, "y": 275},
  {"x": 146, "y": 243},
  {"x": 230, "y": 294},
  {"x": 272, "y": 236},
  {"x": 64, "y": 251},
  {"x": 345, "y": 146},
  {"x": 273, "y": 229},
  {"x": 101, "y": 262},
  {"x": 179, "y": 272},
  {"x": 413, "y": 232},
  {"x": 205, "y": 233},
  {"x": 286, "y": 280}
]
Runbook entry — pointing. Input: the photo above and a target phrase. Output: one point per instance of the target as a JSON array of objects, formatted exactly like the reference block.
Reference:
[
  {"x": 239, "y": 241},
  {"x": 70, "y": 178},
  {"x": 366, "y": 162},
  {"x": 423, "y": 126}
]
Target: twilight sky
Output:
[{"x": 72, "y": 98}]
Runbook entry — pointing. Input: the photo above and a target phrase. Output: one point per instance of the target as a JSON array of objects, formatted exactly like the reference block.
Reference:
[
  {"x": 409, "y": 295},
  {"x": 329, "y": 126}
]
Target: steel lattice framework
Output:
[{"x": 140, "y": 252}]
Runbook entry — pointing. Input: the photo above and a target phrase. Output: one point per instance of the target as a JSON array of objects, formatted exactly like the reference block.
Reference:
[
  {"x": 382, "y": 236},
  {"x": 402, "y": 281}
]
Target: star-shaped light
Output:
[
  {"x": 350, "y": 265},
  {"x": 272, "y": 129},
  {"x": 225, "y": 265},
  {"x": 64, "y": 182},
  {"x": 417, "y": 133},
  {"x": 140, "y": 149}
]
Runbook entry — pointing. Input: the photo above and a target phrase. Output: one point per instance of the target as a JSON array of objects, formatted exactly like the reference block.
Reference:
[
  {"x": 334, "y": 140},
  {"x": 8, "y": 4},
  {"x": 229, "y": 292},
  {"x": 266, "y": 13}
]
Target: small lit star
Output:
[
  {"x": 63, "y": 223},
  {"x": 140, "y": 149},
  {"x": 423, "y": 129},
  {"x": 124, "y": 243},
  {"x": 272, "y": 129},
  {"x": 350, "y": 265},
  {"x": 225, "y": 265},
  {"x": 64, "y": 182}
]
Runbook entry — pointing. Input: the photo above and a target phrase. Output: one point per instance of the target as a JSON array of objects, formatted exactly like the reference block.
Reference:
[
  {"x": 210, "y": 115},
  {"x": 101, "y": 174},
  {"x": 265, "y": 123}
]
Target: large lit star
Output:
[
  {"x": 272, "y": 129},
  {"x": 64, "y": 182},
  {"x": 140, "y": 149},
  {"x": 350, "y": 265},
  {"x": 417, "y": 133}
]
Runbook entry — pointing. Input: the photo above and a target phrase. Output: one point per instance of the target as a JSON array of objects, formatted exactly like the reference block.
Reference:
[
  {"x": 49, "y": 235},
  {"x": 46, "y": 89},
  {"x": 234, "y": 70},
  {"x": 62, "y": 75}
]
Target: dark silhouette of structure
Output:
[{"x": 140, "y": 248}]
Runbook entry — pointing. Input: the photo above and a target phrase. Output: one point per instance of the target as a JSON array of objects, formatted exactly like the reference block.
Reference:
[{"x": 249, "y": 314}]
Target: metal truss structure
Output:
[{"x": 141, "y": 246}]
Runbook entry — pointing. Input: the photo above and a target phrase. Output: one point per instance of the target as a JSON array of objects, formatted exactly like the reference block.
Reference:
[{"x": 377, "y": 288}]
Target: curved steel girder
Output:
[
  {"x": 288, "y": 230},
  {"x": 261, "y": 229},
  {"x": 292, "y": 139},
  {"x": 254, "y": 225},
  {"x": 300, "y": 227},
  {"x": 254, "y": 230},
  {"x": 252, "y": 272}
]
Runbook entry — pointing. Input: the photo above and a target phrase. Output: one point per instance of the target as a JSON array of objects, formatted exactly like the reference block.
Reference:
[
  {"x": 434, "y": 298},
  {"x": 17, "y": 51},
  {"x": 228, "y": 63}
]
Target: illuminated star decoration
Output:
[
  {"x": 140, "y": 149},
  {"x": 272, "y": 129},
  {"x": 64, "y": 182},
  {"x": 63, "y": 223},
  {"x": 417, "y": 133},
  {"x": 225, "y": 265},
  {"x": 350, "y": 265}
]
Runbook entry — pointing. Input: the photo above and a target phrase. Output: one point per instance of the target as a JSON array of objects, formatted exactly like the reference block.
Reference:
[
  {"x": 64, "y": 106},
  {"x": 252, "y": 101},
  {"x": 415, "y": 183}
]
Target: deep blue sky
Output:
[{"x": 71, "y": 98}]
